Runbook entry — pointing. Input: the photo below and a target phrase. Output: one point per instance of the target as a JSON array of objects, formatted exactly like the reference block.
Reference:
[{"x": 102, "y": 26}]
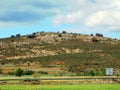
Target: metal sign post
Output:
[{"x": 109, "y": 72}]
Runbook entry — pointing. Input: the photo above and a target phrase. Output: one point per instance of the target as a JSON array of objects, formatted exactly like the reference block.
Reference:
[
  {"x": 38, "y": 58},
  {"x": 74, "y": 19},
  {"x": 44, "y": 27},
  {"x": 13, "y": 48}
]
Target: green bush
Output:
[
  {"x": 19, "y": 72},
  {"x": 92, "y": 73},
  {"x": 28, "y": 72}
]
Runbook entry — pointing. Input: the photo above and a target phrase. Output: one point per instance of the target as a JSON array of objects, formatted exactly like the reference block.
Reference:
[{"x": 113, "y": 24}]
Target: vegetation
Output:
[
  {"x": 64, "y": 32},
  {"x": 95, "y": 39},
  {"x": 0, "y": 70},
  {"x": 99, "y": 35},
  {"x": 19, "y": 72},
  {"x": 42, "y": 72},
  {"x": 63, "y": 52},
  {"x": 62, "y": 87},
  {"x": 28, "y": 72},
  {"x": 18, "y": 35}
]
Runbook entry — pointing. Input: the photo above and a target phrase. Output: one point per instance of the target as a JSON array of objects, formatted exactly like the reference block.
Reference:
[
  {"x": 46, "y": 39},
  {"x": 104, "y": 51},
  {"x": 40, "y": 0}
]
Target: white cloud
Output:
[
  {"x": 104, "y": 18},
  {"x": 71, "y": 18},
  {"x": 101, "y": 14},
  {"x": 96, "y": 19}
]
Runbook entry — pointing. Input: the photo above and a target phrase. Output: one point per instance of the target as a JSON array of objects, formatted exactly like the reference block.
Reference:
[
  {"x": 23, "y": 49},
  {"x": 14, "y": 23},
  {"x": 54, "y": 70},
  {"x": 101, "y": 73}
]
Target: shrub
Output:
[
  {"x": 12, "y": 36},
  {"x": 79, "y": 74},
  {"x": 59, "y": 35},
  {"x": 19, "y": 72},
  {"x": 42, "y": 72},
  {"x": 18, "y": 35},
  {"x": 91, "y": 35},
  {"x": 95, "y": 39},
  {"x": 99, "y": 35},
  {"x": 92, "y": 73},
  {"x": 31, "y": 36},
  {"x": 64, "y": 32},
  {"x": 34, "y": 34},
  {"x": 28, "y": 72}
]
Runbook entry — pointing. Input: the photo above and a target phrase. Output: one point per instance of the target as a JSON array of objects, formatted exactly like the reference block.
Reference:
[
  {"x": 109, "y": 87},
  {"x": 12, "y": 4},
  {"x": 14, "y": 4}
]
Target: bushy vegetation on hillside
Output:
[{"x": 91, "y": 58}]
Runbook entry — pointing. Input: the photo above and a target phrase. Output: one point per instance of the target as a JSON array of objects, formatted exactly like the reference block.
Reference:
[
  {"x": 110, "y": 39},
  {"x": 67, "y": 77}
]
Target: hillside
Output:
[{"x": 60, "y": 53}]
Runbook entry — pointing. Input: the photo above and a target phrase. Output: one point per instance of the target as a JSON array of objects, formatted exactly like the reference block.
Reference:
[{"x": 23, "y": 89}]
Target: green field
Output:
[{"x": 62, "y": 87}]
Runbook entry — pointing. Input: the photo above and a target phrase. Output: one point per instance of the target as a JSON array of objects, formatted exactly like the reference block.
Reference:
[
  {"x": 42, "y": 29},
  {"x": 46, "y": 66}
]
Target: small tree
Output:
[
  {"x": 64, "y": 32},
  {"x": 92, "y": 73},
  {"x": 91, "y": 35},
  {"x": 18, "y": 35},
  {"x": 34, "y": 34},
  {"x": 99, "y": 35},
  {"x": 12, "y": 36},
  {"x": 19, "y": 72}
]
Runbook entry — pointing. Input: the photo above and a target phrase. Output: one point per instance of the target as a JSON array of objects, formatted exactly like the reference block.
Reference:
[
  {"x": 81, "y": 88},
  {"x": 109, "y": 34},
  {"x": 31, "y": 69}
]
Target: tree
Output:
[
  {"x": 99, "y": 35},
  {"x": 64, "y": 32},
  {"x": 34, "y": 34},
  {"x": 12, "y": 36},
  {"x": 18, "y": 35},
  {"x": 19, "y": 72},
  {"x": 91, "y": 35}
]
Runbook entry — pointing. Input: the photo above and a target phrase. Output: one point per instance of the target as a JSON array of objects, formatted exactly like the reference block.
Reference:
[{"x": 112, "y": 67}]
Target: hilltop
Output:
[{"x": 60, "y": 53}]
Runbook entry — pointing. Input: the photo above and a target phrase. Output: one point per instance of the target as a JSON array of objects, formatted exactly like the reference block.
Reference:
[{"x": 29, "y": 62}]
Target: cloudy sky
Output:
[{"x": 79, "y": 16}]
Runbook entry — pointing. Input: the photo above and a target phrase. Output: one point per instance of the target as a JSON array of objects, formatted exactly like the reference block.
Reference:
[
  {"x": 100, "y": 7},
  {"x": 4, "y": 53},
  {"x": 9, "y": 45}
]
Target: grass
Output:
[{"x": 62, "y": 87}]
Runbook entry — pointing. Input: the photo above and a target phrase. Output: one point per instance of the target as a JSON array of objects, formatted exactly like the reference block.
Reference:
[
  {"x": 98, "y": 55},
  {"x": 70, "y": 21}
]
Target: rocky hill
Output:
[{"x": 69, "y": 52}]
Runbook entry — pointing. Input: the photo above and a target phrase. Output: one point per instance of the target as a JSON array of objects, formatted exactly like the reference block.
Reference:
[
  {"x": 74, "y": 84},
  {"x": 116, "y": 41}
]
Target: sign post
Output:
[{"x": 109, "y": 72}]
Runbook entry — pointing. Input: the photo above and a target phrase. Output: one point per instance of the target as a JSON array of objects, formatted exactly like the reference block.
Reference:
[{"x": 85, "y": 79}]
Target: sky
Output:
[{"x": 77, "y": 16}]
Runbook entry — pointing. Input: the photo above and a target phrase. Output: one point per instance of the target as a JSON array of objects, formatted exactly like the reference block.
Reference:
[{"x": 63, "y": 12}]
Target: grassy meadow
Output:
[{"x": 62, "y": 87}]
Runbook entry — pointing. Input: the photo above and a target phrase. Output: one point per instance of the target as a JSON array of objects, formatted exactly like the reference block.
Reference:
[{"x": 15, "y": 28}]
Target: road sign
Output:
[{"x": 109, "y": 71}]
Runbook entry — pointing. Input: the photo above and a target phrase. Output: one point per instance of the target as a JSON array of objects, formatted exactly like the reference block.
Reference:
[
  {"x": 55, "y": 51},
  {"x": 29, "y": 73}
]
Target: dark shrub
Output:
[
  {"x": 95, "y": 39},
  {"x": 59, "y": 35},
  {"x": 31, "y": 36},
  {"x": 12, "y": 36},
  {"x": 28, "y": 72},
  {"x": 92, "y": 73},
  {"x": 64, "y": 32},
  {"x": 34, "y": 34},
  {"x": 91, "y": 35},
  {"x": 18, "y": 35},
  {"x": 42, "y": 72},
  {"x": 19, "y": 72},
  {"x": 99, "y": 35}
]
